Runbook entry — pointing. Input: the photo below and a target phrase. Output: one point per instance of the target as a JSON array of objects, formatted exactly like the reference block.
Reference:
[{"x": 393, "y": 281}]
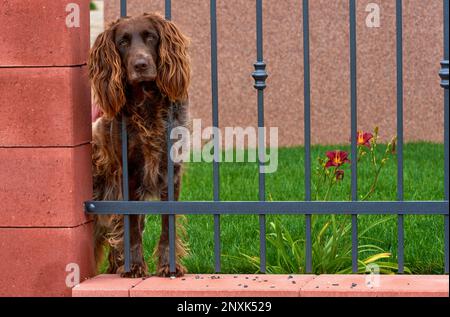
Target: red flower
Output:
[
  {"x": 363, "y": 138},
  {"x": 337, "y": 158},
  {"x": 339, "y": 175}
]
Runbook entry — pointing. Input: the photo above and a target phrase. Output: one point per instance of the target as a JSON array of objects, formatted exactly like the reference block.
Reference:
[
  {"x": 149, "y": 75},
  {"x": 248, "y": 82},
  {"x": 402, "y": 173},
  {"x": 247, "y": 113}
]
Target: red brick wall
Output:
[
  {"x": 45, "y": 133},
  {"x": 330, "y": 88}
]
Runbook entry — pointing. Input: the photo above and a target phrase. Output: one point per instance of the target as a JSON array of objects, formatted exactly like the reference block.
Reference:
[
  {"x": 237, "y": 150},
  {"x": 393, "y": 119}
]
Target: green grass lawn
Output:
[{"x": 423, "y": 180}]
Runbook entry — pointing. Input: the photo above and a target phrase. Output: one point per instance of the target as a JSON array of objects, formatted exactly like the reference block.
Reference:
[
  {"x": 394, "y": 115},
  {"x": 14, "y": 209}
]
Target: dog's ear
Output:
[
  {"x": 174, "y": 71},
  {"x": 106, "y": 74}
]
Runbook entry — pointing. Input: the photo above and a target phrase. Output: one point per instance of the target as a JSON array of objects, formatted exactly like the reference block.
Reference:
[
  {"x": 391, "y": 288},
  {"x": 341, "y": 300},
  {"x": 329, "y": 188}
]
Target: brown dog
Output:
[{"x": 139, "y": 67}]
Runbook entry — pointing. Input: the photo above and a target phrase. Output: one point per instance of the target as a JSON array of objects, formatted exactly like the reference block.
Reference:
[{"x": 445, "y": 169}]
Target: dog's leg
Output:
[
  {"x": 162, "y": 251},
  {"x": 116, "y": 258},
  {"x": 138, "y": 267},
  {"x": 114, "y": 236},
  {"x": 163, "y": 268}
]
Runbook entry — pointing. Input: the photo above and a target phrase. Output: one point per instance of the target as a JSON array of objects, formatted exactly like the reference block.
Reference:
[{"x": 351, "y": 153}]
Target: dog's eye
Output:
[
  {"x": 151, "y": 38},
  {"x": 123, "y": 42}
]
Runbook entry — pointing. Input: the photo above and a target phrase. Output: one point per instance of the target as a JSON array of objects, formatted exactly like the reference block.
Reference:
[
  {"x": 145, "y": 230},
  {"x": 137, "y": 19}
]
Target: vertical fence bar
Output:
[
  {"x": 400, "y": 229},
  {"x": 170, "y": 185},
  {"x": 260, "y": 76},
  {"x": 354, "y": 115},
  {"x": 125, "y": 193},
  {"x": 445, "y": 84},
  {"x": 123, "y": 8},
  {"x": 215, "y": 120},
  {"x": 261, "y": 143},
  {"x": 125, "y": 188},
  {"x": 168, "y": 9},
  {"x": 307, "y": 131}
]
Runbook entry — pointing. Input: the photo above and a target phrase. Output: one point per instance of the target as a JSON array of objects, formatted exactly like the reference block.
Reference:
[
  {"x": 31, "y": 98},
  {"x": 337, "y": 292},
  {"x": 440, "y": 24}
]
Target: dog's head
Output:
[{"x": 134, "y": 51}]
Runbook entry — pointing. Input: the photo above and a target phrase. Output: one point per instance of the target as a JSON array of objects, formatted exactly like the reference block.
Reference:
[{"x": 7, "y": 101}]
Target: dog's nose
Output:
[{"x": 140, "y": 65}]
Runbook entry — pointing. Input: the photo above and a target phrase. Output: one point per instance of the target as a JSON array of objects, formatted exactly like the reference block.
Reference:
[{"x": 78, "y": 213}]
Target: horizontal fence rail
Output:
[
  {"x": 171, "y": 207},
  {"x": 277, "y": 207}
]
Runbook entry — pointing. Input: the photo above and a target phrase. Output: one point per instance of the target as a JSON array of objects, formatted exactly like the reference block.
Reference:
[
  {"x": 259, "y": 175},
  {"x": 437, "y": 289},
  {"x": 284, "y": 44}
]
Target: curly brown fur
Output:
[{"x": 139, "y": 67}]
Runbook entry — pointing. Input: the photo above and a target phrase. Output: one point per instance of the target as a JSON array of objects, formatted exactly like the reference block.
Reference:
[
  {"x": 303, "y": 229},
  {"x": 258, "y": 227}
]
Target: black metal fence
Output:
[{"x": 307, "y": 207}]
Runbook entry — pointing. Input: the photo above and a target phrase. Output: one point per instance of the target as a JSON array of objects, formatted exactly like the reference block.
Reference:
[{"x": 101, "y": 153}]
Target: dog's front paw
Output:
[
  {"x": 164, "y": 270},
  {"x": 136, "y": 271}
]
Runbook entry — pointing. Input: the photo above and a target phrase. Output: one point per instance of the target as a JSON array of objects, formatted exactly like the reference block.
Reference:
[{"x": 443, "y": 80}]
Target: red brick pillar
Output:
[{"x": 45, "y": 130}]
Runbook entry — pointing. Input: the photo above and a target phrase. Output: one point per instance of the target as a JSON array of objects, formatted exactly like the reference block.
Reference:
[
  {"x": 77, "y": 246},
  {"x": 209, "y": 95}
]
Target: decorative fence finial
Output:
[
  {"x": 260, "y": 75},
  {"x": 443, "y": 73}
]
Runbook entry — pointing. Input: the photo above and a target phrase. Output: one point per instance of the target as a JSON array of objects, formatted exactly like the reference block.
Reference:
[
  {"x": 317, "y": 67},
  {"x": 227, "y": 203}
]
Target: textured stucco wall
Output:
[{"x": 329, "y": 42}]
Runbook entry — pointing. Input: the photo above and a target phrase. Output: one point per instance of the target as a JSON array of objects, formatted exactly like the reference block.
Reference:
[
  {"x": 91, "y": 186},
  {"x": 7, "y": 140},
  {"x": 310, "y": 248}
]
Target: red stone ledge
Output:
[{"x": 228, "y": 285}]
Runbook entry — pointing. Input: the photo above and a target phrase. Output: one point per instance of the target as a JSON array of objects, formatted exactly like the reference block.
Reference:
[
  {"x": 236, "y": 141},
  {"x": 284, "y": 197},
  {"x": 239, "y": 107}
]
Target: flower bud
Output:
[
  {"x": 392, "y": 146},
  {"x": 339, "y": 175},
  {"x": 376, "y": 130}
]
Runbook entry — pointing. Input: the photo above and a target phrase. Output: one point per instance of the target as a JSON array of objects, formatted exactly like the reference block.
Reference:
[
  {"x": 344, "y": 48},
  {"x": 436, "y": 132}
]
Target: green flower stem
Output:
[
  {"x": 331, "y": 184},
  {"x": 374, "y": 184},
  {"x": 360, "y": 151},
  {"x": 321, "y": 178},
  {"x": 377, "y": 174}
]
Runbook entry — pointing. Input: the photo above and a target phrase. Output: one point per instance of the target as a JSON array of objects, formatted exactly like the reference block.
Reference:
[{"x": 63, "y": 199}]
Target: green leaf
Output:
[{"x": 376, "y": 257}]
